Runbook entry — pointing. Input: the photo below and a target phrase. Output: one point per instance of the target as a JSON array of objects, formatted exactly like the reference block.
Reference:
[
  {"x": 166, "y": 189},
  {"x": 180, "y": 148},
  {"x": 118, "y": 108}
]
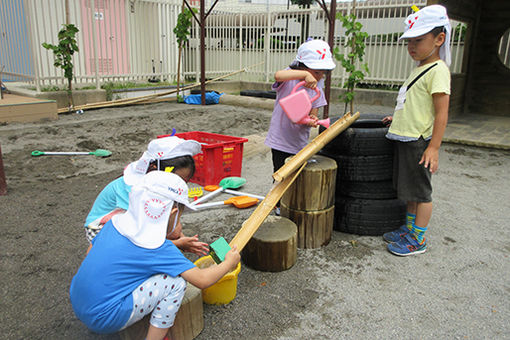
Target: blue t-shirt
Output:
[
  {"x": 114, "y": 195},
  {"x": 101, "y": 289}
]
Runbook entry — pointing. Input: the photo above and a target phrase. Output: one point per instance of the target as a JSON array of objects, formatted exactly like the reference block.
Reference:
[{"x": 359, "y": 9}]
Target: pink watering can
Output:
[{"x": 297, "y": 106}]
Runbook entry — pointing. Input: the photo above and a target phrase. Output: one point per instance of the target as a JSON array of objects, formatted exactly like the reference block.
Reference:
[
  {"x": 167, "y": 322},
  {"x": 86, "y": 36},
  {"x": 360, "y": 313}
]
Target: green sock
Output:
[
  {"x": 419, "y": 233},
  {"x": 410, "y": 218}
]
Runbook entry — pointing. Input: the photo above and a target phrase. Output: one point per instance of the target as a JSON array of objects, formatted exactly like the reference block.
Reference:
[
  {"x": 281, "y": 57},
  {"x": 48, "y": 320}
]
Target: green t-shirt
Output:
[{"x": 416, "y": 118}]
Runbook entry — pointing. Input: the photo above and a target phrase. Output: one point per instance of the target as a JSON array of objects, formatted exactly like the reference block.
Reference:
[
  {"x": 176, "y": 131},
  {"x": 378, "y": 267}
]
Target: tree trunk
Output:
[
  {"x": 70, "y": 93},
  {"x": 179, "y": 70}
]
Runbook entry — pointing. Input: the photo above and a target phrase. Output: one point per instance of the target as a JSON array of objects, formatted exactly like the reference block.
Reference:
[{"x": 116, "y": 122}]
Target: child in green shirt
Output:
[{"x": 418, "y": 124}]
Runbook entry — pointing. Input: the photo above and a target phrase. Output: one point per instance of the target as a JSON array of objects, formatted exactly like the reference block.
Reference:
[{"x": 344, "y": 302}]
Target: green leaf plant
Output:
[
  {"x": 63, "y": 53},
  {"x": 355, "y": 40},
  {"x": 182, "y": 32}
]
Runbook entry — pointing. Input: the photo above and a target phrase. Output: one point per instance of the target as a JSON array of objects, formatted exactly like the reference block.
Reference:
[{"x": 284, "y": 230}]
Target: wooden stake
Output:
[
  {"x": 258, "y": 216},
  {"x": 3, "y": 182},
  {"x": 315, "y": 145}
]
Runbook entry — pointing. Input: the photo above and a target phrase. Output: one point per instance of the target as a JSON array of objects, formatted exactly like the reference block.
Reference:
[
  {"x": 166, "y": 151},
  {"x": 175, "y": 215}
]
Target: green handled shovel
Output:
[{"x": 98, "y": 153}]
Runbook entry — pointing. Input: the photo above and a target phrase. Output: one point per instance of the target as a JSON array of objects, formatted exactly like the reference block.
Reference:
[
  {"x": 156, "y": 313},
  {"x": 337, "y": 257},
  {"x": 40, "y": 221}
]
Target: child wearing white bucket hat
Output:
[
  {"x": 284, "y": 137},
  {"x": 418, "y": 124},
  {"x": 132, "y": 268},
  {"x": 171, "y": 153}
]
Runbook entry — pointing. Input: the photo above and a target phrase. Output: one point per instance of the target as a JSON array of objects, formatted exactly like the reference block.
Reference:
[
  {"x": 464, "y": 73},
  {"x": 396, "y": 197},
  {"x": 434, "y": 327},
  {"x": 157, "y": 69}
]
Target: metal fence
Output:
[{"x": 128, "y": 40}]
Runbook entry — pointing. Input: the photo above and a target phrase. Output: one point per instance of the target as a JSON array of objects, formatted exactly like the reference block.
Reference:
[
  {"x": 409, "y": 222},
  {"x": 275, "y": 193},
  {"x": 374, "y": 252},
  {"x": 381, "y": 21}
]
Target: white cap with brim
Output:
[
  {"x": 151, "y": 200},
  {"x": 424, "y": 21},
  {"x": 160, "y": 149},
  {"x": 316, "y": 55}
]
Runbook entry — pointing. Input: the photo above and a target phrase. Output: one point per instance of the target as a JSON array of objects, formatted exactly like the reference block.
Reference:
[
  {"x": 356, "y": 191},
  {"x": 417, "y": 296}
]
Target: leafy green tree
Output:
[
  {"x": 356, "y": 42},
  {"x": 63, "y": 55},
  {"x": 182, "y": 32}
]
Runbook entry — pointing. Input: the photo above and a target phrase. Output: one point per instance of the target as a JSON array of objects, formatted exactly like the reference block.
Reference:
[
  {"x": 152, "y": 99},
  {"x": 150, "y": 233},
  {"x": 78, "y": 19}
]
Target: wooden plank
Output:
[
  {"x": 264, "y": 208},
  {"x": 13, "y": 99},
  {"x": 25, "y": 109}
]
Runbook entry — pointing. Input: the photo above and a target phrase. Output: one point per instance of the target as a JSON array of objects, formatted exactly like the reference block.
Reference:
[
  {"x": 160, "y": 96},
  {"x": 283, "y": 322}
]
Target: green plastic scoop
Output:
[
  {"x": 98, "y": 153},
  {"x": 218, "y": 249},
  {"x": 226, "y": 183}
]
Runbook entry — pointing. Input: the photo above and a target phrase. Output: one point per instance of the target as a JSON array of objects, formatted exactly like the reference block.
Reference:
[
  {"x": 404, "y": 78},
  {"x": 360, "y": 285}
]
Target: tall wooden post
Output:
[
  {"x": 202, "y": 50},
  {"x": 331, "y": 42},
  {"x": 3, "y": 182}
]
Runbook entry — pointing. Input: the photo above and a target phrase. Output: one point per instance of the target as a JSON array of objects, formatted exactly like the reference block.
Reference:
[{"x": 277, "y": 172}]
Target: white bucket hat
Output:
[
  {"x": 316, "y": 55},
  {"x": 424, "y": 21},
  {"x": 160, "y": 149},
  {"x": 151, "y": 201}
]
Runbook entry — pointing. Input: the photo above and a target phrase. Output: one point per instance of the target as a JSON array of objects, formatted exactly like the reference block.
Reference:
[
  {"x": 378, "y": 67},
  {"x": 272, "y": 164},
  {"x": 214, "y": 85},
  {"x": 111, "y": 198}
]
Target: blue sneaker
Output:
[
  {"x": 407, "y": 246},
  {"x": 396, "y": 235}
]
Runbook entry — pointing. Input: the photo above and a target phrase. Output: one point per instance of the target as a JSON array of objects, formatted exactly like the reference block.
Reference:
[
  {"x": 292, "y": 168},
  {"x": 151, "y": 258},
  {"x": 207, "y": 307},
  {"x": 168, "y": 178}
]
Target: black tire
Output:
[
  {"x": 363, "y": 168},
  {"x": 252, "y": 93},
  {"x": 199, "y": 91},
  {"x": 269, "y": 94},
  {"x": 368, "y": 217},
  {"x": 365, "y": 137},
  {"x": 378, "y": 190}
]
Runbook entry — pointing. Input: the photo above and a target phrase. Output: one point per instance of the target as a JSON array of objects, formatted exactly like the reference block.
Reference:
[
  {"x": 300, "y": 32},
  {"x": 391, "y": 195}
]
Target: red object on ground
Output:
[
  {"x": 222, "y": 156},
  {"x": 3, "y": 182}
]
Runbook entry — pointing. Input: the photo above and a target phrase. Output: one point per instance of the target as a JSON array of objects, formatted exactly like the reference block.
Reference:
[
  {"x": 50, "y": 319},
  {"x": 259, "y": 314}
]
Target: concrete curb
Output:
[{"x": 245, "y": 101}]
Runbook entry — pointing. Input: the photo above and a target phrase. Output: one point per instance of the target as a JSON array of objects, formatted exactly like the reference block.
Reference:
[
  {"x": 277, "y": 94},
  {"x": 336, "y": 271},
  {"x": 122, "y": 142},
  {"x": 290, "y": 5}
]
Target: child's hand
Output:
[
  {"x": 233, "y": 257},
  {"x": 310, "y": 81},
  {"x": 430, "y": 159},
  {"x": 192, "y": 245},
  {"x": 387, "y": 120},
  {"x": 313, "y": 121}
]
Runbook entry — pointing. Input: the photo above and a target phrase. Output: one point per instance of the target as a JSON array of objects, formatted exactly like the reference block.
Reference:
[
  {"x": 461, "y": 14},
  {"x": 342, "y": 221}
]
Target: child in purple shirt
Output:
[{"x": 284, "y": 137}]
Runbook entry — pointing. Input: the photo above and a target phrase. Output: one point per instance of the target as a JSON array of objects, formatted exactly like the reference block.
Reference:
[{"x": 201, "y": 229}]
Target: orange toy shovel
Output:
[{"x": 238, "y": 201}]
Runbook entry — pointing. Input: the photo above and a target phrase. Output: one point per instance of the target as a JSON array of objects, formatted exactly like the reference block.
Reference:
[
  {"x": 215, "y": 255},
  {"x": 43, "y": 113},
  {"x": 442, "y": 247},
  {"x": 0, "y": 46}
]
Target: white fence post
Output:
[
  {"x": 267, "y": 45},
  {"x": 383, "y": 20}
]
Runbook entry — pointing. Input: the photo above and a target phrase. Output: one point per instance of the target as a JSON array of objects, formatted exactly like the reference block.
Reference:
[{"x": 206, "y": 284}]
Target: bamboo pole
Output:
[
  {"x": 129, "y": 101},
  {"x": 258, "y": 216},
  {"x": 315, "y": 145}
]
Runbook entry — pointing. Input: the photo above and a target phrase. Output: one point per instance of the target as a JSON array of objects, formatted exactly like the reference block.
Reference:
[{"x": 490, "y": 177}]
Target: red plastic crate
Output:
[{"x": 222, "y": 156}]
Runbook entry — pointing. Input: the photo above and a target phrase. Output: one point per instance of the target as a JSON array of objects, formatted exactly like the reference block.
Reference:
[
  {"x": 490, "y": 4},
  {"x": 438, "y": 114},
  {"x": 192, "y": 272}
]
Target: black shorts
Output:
[
  {"x": 411, "y": 180},
  {"x": 279, "y": 158}
]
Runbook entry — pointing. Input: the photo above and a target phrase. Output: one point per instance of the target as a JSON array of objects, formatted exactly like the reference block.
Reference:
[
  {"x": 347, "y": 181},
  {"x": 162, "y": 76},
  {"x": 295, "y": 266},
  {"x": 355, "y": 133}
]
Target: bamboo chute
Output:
[
  {"x": 286, "y": 176},
  {"x": 147, "y": 98}
]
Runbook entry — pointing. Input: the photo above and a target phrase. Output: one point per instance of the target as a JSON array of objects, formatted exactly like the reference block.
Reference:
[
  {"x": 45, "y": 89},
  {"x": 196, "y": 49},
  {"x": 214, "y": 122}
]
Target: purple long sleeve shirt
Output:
[{"x": 283, "y": 134}]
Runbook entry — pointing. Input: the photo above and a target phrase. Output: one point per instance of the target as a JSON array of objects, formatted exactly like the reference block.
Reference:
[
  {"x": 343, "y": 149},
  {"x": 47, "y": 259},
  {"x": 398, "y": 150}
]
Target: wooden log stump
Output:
[
  {"x": 314, "y": 227},
  {"x": 273, "y": 247},
  {"x": 314, "y": 189},
  {"x": 189, "y": 321}
]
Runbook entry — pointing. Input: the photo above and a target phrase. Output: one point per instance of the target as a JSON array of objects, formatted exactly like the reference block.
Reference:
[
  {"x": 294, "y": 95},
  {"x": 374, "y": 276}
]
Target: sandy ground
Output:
[{"x": 458, "y": 289}]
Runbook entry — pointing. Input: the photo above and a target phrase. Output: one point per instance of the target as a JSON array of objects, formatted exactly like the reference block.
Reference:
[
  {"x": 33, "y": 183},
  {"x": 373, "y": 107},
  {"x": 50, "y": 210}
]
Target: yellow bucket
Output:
[{"x": 223, "y": 291}]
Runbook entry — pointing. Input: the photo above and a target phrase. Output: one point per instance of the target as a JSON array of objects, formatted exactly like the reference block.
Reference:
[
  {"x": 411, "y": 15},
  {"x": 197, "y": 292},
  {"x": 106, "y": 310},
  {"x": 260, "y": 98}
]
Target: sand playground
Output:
[{"x": 352, "y": 288}]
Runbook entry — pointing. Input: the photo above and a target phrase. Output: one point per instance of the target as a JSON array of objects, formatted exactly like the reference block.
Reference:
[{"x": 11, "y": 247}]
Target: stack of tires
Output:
[
  {"x": 365, "y": 201},
  {"x": 259, "y": 93}
]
